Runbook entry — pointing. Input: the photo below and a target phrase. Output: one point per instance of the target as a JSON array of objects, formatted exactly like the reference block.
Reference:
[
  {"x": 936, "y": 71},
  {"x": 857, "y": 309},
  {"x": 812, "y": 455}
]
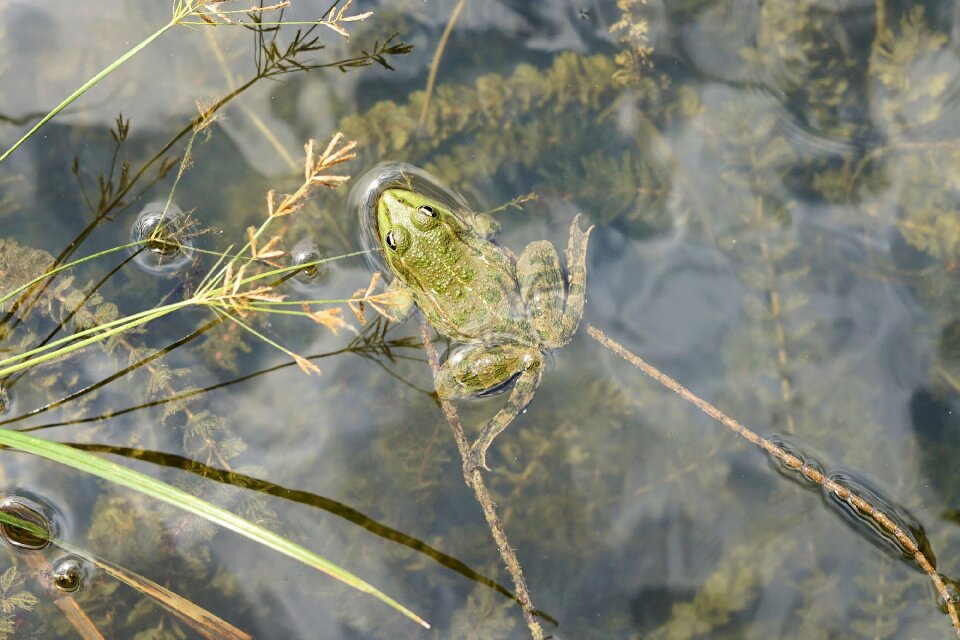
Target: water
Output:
[{"x": 777, "y": 228}]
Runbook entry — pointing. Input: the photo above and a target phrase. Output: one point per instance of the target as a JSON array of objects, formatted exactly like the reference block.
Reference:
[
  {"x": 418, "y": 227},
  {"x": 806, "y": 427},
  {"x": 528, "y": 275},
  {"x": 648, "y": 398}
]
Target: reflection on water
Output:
[{"x": 776, "y": 188}]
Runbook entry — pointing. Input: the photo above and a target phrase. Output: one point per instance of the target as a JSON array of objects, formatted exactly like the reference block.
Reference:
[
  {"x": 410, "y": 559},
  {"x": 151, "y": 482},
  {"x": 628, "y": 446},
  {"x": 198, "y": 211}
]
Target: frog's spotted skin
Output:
[{"x": 505, "y": 315}]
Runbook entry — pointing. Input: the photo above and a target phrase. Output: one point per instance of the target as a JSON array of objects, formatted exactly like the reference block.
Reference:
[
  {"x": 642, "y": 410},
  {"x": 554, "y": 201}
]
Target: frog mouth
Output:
[{"x": 370, "y": 186}]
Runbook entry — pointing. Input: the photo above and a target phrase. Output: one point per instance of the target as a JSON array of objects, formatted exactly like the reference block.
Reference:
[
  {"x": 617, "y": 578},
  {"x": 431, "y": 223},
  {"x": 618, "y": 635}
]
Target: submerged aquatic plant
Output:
[
  {"x": 603, "y": 131},
  {"x": 13, "y": 597}
]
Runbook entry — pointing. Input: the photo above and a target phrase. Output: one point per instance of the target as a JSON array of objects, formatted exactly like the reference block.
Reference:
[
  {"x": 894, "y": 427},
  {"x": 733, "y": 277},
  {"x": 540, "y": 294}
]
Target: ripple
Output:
[
  {"x": 33, "y": 510},
  {"x": 165, "y": 227},
  {"x": 308, "y": 279},
  {"x": 69, "y": 573},
  {"x": 842, "y": 503},
  {"x": 806, "y": 470}
]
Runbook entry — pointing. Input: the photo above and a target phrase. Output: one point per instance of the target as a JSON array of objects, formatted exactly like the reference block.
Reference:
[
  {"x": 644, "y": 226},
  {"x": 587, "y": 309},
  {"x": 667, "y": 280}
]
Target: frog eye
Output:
[
  {"x": 391, "y": 240},
  {"x": 427, "y": 210}
]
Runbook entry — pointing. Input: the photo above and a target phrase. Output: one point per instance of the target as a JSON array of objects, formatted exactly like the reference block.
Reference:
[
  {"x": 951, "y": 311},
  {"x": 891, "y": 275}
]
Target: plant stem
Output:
[
  {"x": 475, "y": 481},
  {"x": 138, "y": 319},
  {"x": 98, "y": 77},
  {"x": 435, "y": 63}
]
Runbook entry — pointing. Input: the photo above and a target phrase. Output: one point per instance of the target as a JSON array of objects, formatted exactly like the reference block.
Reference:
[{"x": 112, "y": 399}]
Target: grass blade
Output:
[
  {"x": 197, "y": 618},
  {"x": 87, "y": 85},
  {"x": 154, "y": 488}
]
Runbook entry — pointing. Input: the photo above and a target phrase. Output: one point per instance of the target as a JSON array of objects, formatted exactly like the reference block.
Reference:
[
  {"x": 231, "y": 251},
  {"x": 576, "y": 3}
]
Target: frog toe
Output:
[{"x": 476, "y": 459}]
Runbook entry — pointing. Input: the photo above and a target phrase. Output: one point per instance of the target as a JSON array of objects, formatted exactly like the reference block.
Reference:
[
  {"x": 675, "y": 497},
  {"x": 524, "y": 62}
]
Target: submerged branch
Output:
[
  {"x": 789, "y": 460},
  {"x": 475, "y": 481}
]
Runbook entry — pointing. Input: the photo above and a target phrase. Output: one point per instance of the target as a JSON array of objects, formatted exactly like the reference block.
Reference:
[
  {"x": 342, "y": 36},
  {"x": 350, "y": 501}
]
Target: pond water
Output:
[{"x": 775, "y": 187}]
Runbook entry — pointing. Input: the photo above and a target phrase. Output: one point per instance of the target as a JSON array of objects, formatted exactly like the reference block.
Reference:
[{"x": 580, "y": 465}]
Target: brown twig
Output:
[
  {"x": 475, "y": 481},
  {"x": 791, "y": 461}
]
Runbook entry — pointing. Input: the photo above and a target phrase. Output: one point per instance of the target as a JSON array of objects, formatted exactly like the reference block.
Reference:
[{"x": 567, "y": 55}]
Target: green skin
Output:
[{"x": 506, "y": 313}]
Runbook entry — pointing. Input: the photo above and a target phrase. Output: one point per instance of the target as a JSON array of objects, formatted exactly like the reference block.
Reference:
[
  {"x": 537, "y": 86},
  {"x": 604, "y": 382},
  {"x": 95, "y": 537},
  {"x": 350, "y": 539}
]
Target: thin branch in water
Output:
[
  {"x": 475, "y": 481},
  {"x": 67, "y": 604},
  {"x": 865, "y": 508}
]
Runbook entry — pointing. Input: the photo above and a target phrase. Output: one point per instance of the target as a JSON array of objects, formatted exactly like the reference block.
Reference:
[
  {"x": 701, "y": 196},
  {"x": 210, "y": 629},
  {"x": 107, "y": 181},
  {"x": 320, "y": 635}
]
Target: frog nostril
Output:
[
  {"x": 427, "y": 210},
  {"x": 391, "y": 240}
]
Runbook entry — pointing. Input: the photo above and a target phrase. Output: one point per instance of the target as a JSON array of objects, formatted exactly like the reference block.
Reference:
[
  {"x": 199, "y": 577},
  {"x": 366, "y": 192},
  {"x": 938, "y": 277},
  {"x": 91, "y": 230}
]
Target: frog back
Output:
[{"x": 468, "y": 289}]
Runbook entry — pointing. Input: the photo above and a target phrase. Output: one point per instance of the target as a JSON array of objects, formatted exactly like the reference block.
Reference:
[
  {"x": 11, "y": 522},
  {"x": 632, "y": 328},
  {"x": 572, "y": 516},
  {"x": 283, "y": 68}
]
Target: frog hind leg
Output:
[
  {"x": 576, "y": 280},
  {"x": 542, "y": 288},
  {"x": 480, "y": 367}
]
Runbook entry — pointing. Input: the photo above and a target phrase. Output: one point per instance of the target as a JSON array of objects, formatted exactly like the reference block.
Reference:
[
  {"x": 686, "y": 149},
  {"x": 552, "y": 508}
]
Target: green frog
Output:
[{"x": 506, "y": 312}]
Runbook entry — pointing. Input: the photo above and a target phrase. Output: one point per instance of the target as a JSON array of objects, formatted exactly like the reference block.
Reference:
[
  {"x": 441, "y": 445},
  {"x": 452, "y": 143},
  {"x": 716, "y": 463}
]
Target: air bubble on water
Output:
[
  {"x": 798, "y": 466},
  {"x": 166, "y": 228},
  {"x": 842, "y": 503},
  {"x": 34, "y": 512},
  {"x": 308, "y": 279},
  {"x": 69, "y": 573}
]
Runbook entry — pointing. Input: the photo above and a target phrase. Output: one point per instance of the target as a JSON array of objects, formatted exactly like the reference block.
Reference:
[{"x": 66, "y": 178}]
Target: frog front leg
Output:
[
  {"x": 401, "y": 304},
  {"x": 478, "y": 368}
]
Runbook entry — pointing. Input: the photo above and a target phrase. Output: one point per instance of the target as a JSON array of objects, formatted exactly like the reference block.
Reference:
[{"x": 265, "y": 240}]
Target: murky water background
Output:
[{"x": 776, "y": 198}]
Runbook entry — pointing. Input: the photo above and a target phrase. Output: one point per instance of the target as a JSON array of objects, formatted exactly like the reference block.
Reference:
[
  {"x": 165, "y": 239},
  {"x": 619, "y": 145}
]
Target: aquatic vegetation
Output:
[
  {"x": 13, "y": 598},
  {"x": 774, "y": 189}
]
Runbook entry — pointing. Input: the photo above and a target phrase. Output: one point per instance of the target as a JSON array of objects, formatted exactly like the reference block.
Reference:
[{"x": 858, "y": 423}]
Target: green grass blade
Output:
[
  {"x": 90, "y": 83},
  {"x": 154, "y": 488}
]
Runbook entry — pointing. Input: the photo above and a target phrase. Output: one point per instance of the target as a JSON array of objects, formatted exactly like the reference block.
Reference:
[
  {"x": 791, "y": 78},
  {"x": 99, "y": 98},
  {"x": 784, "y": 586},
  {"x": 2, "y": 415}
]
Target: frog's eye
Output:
[
  {"x": 427, "y": 210},
  {"x": 397, "y": 240},
  {"x": 391, "y": 240}
]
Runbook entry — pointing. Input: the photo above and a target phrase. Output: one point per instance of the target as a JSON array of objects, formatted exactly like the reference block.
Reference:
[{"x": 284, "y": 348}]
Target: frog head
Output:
[{"x": 413, "y": 230}]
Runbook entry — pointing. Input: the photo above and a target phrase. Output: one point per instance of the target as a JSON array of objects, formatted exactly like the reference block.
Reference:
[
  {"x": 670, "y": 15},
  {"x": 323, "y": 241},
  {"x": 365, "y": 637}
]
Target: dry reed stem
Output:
[
  {"x": 435, "y": 63},
  {"x": 475, "y": 481},
  {"x": 863, "y": 506}
]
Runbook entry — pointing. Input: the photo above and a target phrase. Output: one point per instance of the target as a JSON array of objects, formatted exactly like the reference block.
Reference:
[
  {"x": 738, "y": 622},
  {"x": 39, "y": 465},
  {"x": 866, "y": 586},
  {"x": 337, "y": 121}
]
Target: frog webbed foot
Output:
[
  {"x": 483, "y": 224},
  {"x": 399, "y": 302}
]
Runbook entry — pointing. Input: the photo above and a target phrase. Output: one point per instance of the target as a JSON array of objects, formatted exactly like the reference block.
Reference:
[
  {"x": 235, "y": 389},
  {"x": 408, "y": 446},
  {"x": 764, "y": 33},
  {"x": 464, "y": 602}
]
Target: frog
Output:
[{"x": 503, "y": 313}]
